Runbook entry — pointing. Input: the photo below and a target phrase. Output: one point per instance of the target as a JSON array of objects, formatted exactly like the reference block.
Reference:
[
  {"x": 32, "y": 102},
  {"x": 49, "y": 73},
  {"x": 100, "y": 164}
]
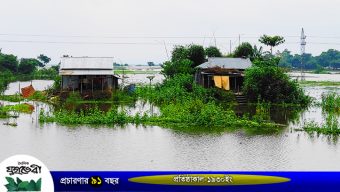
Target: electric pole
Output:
[{"x": 303, "y": 50}]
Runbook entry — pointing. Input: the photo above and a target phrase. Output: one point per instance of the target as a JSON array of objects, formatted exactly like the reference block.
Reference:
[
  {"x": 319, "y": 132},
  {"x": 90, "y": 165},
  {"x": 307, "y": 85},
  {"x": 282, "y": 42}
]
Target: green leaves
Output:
[
  {"x": 271, "y": 41},
  {"x": 268, "y": 83},
  {"x": 20, "y": 185}
]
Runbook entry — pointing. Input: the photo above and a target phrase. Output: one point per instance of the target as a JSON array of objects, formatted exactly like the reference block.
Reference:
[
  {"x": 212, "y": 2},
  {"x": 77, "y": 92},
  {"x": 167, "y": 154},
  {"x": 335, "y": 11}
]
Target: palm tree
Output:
[{"x": 271, "y": 41}]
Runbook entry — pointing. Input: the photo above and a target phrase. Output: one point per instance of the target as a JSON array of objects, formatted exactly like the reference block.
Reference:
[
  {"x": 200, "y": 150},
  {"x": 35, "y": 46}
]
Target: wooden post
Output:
[
  {"x": 61, "y": 84},
  {"x": 92, "y": 85},
  {"x": 81, "y": 85},
  {"x": 203, "y": 80},
  {"x": 208, "y": 82},
  {"x": 102, "y": 84}
]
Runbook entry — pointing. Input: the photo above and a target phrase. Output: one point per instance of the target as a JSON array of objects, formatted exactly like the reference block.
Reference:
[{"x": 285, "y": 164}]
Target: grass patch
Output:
[
  {"x": 22, "y": 108},
  {"x": 12, "y": 98},
  {"x": 330, "y": 127},
  {"x": 319, "y": 83},
  {"x": 3, "y": 114}
]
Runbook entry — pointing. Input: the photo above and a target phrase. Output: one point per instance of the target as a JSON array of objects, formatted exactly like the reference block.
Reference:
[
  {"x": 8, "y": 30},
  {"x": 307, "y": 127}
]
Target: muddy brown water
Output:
[{"x": 155, "y": 148}]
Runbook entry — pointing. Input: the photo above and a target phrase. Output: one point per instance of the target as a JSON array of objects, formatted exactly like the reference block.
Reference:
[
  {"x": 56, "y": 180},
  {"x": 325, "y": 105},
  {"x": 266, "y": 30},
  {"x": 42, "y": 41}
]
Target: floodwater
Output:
[
  {"x": 155, "y": 148},
  {"x": 39, "y": 85}
]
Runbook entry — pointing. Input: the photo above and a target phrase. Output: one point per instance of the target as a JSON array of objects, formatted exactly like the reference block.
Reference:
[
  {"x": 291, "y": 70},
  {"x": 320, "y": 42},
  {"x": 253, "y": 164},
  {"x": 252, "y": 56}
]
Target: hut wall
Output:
[{"x": 70, "y": 82}]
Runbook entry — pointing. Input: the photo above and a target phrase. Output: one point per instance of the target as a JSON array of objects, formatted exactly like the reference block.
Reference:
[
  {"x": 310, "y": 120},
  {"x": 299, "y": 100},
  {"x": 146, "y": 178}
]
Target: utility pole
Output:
[
  {"x": 239, "y": 39},
  {"x": 214, "y": 39},
  {"x": 230, "y": 47},
  {"x": 166, "y": 50},
  {"x": 303, "y": 50}
]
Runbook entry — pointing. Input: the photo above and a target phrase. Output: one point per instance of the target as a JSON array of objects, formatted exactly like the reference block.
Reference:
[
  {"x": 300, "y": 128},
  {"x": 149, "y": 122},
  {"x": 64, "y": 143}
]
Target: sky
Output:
[{"x": 139, "y": 31}]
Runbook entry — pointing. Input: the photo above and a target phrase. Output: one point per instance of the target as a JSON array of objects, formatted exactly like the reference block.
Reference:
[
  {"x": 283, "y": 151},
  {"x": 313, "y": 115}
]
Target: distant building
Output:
[
  {"x": 88, "y": 74},
  {"x": 225, "y": 73}
]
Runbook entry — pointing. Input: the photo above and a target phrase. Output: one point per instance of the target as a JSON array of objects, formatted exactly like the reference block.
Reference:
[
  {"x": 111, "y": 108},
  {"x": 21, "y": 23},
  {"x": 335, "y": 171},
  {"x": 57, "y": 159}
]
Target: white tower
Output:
[{"x": 303, "y": 46}]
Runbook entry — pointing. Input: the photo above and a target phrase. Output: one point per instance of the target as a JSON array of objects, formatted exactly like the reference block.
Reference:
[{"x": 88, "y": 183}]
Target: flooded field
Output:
[
  {"x": 39, "y": 85},
  {"x": 156, "y": 148}
]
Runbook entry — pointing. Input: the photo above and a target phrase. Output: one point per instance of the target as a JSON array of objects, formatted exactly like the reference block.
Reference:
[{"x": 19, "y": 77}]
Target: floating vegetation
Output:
[
  {"x": 14, "y": 124},
  {"x": 331, "y": 102},
  {"x": 330, "y": 127},
  {"x": 3, "y": 113},
  {"x": 189, "y": 114},
  {"x": 23, "y": 108}
]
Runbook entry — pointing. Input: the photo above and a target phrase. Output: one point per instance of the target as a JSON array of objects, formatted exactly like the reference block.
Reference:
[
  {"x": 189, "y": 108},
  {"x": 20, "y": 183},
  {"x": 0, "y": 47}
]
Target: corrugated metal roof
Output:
[
  {"x": 228, "y": 63},
  {"x": 87, "y": 63},
  {"x": 85, "y": 72}
]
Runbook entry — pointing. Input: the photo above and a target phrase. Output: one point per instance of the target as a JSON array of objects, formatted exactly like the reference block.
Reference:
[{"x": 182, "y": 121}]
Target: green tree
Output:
[
  {"x": 245, "y": 50},
  {"x": 180, "y": 52},
  {"x": 170, "y": 69},
  {"x": 213, "y": 52},
  {"x": 271, "y": 41},
  {"x": 28, "y": 66},
  {"x": 266, "y": 82},
  {"x": 193, "y": 52},
  {"x": 8, "y": 62},
  {"x": 43, "y": 60},
  {"x": 196, "y": 54}
]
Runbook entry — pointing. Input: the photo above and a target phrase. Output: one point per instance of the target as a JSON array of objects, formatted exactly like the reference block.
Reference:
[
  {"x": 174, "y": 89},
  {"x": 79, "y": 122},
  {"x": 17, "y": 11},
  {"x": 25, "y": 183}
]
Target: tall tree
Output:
[
  {"x": 271, "y": 41},
  {"x": 213, "y": 52},
  {"x": 44, "y": 60},
  {"x": 245, "y": 50}
]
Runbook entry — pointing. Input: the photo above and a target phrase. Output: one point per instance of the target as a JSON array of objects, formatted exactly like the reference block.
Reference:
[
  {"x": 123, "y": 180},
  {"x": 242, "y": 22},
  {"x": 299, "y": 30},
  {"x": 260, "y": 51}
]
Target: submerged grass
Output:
[
  {"x": 3, "y": 113},
  {"x": 190, "y": 114},
  {"x": 331, "y": 102},
  {"x": 21, "y": 108},
  {"x": 330, "y": 127},
  {"x": 37, "y": 96}
]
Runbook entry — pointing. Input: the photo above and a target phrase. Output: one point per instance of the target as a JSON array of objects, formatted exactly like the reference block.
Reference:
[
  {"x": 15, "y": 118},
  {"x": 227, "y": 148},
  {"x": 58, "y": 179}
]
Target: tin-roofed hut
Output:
[
  {"x": 88, "y": 74},
  {"x": 225, "y": 73}
]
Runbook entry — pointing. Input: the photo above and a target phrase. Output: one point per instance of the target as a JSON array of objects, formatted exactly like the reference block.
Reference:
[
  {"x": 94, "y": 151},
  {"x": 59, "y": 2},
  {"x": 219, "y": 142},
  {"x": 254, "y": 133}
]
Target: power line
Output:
[
  {"x": 136, "y": 43},
  {"x": 79, "y": 42}
]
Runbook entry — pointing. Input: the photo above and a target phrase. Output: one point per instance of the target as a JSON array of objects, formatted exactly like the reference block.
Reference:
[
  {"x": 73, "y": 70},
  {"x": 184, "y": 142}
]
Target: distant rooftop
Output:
[
  {"x": 228, "y": 63},
  {"x": 101, "y": 63}
]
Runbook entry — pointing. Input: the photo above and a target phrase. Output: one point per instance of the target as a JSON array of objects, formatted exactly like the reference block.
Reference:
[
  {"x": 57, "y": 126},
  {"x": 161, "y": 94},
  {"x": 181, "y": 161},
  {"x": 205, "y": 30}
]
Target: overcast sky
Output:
[{"x": 138, "y": 31}]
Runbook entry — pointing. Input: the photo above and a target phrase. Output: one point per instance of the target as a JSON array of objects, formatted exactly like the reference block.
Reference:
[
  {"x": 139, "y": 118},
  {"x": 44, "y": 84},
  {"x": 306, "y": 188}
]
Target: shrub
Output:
[{"x": 270, "y": 84}]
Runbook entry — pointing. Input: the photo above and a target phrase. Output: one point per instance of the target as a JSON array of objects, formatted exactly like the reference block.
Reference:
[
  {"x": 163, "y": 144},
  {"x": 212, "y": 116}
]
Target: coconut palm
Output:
[{"x": 271, "y": 41}]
